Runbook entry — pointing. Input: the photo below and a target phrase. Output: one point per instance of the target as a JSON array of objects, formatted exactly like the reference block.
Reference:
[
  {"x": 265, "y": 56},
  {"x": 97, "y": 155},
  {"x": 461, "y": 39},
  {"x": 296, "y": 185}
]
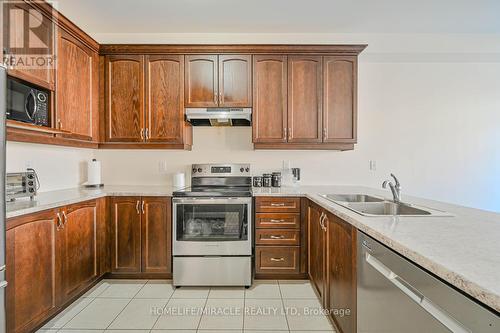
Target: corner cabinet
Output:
[
  {"x": 218, "y": 81},
  {"x": 143, "y": 102},
  {"x": 51, "y": 258},
  {"x": 141, "y": 235},
  {"x": 332, "y": 266},
  {"x": 305, "y": 102}
]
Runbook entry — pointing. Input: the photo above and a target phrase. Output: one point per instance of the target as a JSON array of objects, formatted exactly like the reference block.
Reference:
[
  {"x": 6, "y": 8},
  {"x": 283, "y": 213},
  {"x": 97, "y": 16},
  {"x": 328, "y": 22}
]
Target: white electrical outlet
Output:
[
  {"x": 162, "y": 166},
  {"x": 373, "y": 165}
]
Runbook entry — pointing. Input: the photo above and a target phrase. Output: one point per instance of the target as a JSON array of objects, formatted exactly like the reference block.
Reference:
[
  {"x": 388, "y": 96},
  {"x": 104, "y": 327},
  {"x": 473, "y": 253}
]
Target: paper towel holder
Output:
[{"x": 87, "y": 185}]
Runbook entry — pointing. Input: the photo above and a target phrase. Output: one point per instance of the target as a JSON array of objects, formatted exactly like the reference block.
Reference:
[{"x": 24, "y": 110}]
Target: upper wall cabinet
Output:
[
  {"x": 270, "y": 98},
  {"x": 339, "y": 99},
  {"x": 305, "y": 102},
  {"x": 218, "y": 81},
  {"x": 144, "y": 102},
  {"x": 16, "y": 20},
  {"x": 304, "y": 99},
  {"x": 125, "y": 98},
  {"x": 77, "y": 88}
]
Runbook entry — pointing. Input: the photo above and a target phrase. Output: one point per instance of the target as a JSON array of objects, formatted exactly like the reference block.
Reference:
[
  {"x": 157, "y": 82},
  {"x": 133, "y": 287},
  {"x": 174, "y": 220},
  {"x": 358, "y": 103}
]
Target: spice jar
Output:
[
  {"x": 267, "y": 180},
  {"x": 257, "y": 181},
  {"x": 276, "y": 179}
]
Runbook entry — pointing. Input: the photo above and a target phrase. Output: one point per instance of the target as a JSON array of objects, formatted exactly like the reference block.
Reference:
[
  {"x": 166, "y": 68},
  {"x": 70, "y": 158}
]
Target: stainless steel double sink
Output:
[{"x": 368, "y": 205}]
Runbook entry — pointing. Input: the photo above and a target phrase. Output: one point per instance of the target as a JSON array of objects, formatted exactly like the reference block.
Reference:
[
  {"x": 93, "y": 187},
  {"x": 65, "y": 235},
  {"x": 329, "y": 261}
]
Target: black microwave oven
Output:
[{"x": 27, "y": 103}]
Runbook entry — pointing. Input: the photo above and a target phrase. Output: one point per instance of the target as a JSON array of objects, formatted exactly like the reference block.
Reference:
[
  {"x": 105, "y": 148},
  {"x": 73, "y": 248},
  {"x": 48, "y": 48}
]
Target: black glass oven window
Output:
[{"x": 199, "y": 222}]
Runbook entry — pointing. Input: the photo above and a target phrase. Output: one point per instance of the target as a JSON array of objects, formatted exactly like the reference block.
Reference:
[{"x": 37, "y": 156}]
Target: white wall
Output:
[
  {"x": 57, "y": 167},
  {"x": 429, "y": 111}
]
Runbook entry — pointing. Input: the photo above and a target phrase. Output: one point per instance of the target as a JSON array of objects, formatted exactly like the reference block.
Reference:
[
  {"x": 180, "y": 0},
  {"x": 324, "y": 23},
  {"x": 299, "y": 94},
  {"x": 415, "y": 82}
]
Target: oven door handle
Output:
[{"x": 213, "y": 201}]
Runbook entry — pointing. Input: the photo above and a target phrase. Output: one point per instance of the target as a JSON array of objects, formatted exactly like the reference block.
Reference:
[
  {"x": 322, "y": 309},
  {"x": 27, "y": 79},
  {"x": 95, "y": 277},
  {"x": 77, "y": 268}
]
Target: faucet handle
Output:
[
  {"x": 385, "y": 183},
  {"x": 398, "y": 184}
]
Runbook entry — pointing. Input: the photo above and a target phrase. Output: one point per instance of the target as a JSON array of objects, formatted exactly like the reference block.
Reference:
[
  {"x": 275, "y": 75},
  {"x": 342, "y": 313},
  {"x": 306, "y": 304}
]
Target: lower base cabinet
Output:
[
  {"x": 51, "y": 257},
  {"x": 332, "y": 266},
  {"x": 141, "y": 235}
]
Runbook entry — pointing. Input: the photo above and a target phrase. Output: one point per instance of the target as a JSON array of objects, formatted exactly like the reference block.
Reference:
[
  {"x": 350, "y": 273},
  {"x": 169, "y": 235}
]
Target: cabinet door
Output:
[
  {"x": 341, "y": 272},
  {"x": 269, "y": 98},
  {"x": 29, "y": 34},
  {"x": 201, "y": 81},
  {"x": 31, "y": 268},
  {"x": 304, "y": 99},
  {"x": 235, "y": 80},
  {"x": 124, "y": 98},
  {"x": 78, "y": 248},
  {"x": 126, "y": 234},
  {"x": 76, "y": 87},
  {"x": 316, "y": 243},
  {"x": 164, "y": 101},
  {"x": 156, "y": 235},
  {"x": 339, "y": 99}
]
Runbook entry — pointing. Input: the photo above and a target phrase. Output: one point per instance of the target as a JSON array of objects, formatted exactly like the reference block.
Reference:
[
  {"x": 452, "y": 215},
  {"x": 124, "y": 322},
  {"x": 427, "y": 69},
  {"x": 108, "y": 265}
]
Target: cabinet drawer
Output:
[
  {"x": 277, "y": 205},
  {"x": 273, "y": 259},
  {"x": 282, "y": 221},
  {"x": 277, "y": 237}
]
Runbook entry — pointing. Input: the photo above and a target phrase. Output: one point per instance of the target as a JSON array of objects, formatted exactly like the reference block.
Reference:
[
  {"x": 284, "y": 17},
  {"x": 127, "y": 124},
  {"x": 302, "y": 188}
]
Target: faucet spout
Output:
[{"x": 395, "y": 188}]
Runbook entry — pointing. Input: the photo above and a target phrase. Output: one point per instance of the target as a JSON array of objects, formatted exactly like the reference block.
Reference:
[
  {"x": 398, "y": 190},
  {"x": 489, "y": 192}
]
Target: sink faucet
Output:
[{"x": 395, "y": 188}]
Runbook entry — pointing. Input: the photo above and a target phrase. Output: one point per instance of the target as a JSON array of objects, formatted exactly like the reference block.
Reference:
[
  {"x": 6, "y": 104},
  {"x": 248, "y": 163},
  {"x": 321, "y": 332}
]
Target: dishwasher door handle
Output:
[{"x": 451, "y": 323}]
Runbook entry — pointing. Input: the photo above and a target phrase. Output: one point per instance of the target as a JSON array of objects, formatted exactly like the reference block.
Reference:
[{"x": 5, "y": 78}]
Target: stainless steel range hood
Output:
[{"x": 219, "y": 116}]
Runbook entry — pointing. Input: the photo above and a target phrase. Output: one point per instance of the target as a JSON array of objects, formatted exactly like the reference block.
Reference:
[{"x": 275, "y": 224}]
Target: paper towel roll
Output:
[
  {"x": 93, "y": 173},
  {"x": 179, "y": 180}
]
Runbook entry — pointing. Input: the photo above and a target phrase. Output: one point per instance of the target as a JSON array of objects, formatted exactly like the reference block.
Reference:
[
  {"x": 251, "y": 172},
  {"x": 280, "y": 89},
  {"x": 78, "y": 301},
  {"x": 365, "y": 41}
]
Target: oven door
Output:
[{"x": 212, "y": 226}]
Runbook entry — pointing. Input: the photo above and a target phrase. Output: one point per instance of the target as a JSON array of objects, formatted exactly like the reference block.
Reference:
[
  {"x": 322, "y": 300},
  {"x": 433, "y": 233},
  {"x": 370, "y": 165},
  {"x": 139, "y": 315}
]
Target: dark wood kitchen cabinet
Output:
[
  {"x": 125, "y": 98},
  {"x": 339, "y": 99},
  {"x": 317, "y": 234},
  {"x": 341, "y": 273},
  {"x": 51, "y": 258},
  {"x": 77, "y": 88},
  {"x": 32, "y": 265},
  {"x": 270, "y": 112},
  {"x": 332, "y": 265},
  {"x": 144, "y": 102},
  {"x": 77, "y": 245},
  {"x": 279, "y": 238},
  {"x": 19, "y": 17},
  {"x": 218, "y": 80},
  {"x": 141, "y": 235},
  {"x": 304, "y": 99}
]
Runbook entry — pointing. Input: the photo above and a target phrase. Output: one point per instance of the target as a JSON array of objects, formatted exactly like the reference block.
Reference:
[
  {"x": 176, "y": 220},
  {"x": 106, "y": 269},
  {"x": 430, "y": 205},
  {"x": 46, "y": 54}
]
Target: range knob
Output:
[
  {"x": 200, "y": 170},
  {"x": 194, "y": 170},
  {"x": 242, "y": 169},
  {"x": 247, "y": 169}
]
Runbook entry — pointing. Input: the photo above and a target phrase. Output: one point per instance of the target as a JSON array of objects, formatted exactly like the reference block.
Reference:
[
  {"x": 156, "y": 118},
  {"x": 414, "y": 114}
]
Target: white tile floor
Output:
[{"x": 137, "y": 306}]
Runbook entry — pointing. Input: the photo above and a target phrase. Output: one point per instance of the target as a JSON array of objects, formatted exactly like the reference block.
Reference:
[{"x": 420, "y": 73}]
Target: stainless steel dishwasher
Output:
[{"x": 395, "y": 296}]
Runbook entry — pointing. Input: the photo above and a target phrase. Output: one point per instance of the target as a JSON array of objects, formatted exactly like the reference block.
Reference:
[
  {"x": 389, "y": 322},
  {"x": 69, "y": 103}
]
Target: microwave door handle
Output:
[{"x": 32, "y": 94}]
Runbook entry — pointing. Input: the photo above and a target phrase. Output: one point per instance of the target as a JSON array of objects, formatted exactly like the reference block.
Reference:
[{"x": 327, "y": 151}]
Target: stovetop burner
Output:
[{"x": 218, "y": 180}]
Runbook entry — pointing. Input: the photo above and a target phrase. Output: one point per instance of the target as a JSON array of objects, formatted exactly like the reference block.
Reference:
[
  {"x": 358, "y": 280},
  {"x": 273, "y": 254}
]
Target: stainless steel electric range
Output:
[{"x": 212, "y": 227}]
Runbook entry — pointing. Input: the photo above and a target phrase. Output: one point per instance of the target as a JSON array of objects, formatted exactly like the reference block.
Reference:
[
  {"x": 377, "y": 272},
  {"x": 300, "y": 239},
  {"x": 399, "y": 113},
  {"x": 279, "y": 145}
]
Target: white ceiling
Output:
[{"x": 284, "y": 16}]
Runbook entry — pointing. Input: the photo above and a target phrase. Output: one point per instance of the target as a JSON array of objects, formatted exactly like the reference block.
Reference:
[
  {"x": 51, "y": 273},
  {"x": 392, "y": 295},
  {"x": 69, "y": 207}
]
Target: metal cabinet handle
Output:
[
  {"x": 221, "y": 98},
  {"x": 277, "y": 237},
  {"x": 215, "y": 99},
  {"x": 410, "y": 291},
  {"x": 285, "y": 131},
  {"x": 65, "y": 218},
  {"x": 289, "y": 133},
  {"x": 137, "y": 207},
  {"x": 324, "y": 133},
  {"x": 142, "y": 134},
  {"x": 59, "y": 221},
  {"x": 278, "y": 259},
  {"x": 142, "y": 206},
  {"x": 281, "y": 204}
]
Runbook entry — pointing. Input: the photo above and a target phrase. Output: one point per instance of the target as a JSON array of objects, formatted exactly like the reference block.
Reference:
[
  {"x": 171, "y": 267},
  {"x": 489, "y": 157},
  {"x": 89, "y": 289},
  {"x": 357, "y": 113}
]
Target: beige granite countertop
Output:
[{"x": 462, "y": 248}]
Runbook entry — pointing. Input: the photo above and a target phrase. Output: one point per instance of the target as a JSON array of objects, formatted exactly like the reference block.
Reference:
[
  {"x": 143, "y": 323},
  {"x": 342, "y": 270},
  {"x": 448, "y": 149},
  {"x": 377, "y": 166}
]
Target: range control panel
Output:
[{"x": 214, "y": 170}]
